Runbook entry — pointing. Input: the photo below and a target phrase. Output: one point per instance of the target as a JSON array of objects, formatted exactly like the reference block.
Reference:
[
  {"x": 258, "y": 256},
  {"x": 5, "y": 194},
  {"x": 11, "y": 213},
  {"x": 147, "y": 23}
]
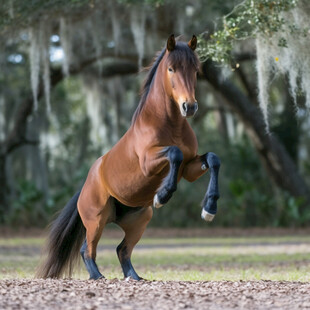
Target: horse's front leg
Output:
[
  {"x": 194, "y": 169},
  {"x": 154, "y": 161}
]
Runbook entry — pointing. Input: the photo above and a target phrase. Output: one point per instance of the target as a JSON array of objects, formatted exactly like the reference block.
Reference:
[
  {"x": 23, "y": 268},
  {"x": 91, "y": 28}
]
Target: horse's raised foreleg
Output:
[
  {"x": 133, "y": 223},
  {"x": 154, "y": 162},
  {"x": 169, "y": 184},
  {"x": 194, "y": 169}
]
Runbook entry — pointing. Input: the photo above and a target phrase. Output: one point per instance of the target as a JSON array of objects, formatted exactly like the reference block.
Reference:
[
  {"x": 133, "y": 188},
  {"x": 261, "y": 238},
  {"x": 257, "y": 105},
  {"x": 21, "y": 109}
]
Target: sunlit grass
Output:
[
  {"x": 184, "y": 259},
  {"x": 39, "y": 241},
  {"x": 231, "y": 274}
]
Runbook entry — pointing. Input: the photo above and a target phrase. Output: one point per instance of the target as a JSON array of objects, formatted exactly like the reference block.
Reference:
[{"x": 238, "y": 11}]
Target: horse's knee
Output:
[
  {"x": 174, "y": 154},
  {"x": 213, "y": 160}
]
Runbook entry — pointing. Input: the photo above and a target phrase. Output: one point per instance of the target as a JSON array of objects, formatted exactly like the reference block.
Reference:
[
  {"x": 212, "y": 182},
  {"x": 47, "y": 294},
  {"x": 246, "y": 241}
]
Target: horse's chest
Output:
[
  {"x": 189, "y": 152},
  {"x": 187, "y": 143}
]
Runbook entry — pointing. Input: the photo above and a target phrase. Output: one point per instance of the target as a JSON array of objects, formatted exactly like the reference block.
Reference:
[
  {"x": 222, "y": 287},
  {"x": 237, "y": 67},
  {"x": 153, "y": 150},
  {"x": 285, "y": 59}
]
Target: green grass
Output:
[
  {"x": 173, "y": 241},
  {"x": 268, "y": 258}
]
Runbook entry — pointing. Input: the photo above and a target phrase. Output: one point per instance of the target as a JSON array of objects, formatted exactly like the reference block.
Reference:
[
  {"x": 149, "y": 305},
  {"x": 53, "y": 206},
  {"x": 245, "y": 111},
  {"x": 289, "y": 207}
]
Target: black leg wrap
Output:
[
  {"x": 125, "y": 261},
  {"x": 169, "y": 185},
  {"x": 209, "y": 202},
  {"x": 90, "y": 264}
]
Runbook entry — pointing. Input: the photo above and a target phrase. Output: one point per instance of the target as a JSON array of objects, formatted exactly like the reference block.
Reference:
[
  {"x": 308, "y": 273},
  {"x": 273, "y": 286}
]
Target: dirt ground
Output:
[{"x": 129, "y": 294}]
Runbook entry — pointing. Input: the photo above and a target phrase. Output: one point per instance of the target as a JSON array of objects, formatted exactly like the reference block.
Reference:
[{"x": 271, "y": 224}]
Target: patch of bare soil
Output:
[{"x": 129, "y": 294}]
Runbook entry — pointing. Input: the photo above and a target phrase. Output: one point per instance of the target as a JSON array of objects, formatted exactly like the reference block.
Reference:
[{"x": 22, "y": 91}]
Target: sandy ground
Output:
[{"x": 129, "y": 294}]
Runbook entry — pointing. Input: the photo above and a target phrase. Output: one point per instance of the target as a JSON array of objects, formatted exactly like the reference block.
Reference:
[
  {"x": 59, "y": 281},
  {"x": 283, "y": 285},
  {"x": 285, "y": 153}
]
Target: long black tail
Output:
[{"x": 64, "y": 242}]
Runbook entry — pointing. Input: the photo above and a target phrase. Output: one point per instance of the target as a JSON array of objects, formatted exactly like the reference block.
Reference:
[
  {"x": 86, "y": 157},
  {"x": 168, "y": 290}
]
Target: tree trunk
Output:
[
  {"x": 3, "y": 187},
  {"x": 17, "y": 135},
  {"x": 273, "y": 155}
]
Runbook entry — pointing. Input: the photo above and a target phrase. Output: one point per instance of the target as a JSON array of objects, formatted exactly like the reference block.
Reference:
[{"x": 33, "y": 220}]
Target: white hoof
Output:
[
  {"x": 156, "y": 203},
  {"x": 208, "y": 217}
]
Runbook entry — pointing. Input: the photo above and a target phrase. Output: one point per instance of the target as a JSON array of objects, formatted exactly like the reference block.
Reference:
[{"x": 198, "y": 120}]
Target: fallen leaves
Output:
[{"x": 129, "y": 294}]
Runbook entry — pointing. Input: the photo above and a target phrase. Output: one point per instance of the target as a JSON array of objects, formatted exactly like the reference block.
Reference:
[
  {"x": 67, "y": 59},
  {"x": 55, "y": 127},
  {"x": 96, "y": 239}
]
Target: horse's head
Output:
[{"x": 180, "y": 67}]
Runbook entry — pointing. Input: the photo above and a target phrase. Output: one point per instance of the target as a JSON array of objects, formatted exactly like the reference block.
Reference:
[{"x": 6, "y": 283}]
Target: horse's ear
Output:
[
  {"x": 171, "y": 43},
  {"x": 193, "y": 43}
]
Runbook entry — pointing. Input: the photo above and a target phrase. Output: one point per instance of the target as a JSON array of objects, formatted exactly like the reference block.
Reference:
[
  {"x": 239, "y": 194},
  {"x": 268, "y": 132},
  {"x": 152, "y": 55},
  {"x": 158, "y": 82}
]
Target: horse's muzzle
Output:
[{"x": 189, "y": 109}]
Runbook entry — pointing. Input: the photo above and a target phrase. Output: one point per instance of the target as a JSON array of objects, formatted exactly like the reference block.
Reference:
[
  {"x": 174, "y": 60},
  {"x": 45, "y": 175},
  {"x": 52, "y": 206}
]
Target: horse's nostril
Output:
[{"x": 184, "y": 106}]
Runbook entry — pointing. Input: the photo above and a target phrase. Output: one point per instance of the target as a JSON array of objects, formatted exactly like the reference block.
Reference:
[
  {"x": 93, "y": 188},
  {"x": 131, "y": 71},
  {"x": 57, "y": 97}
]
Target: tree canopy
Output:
[{"x": 82, "y": 58}]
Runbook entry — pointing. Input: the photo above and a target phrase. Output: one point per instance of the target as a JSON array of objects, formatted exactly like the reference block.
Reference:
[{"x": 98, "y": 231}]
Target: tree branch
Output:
[
  {"x": 249, "y": 88},
  {"x": 17, "y": 136},
  {"x": 274, "y": 156}
]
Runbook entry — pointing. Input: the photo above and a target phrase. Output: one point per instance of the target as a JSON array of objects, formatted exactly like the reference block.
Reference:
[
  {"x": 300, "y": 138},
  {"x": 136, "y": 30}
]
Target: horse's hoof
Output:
[
  {"x": 208, "y": 217},
  {"x": 130, "y": 278},
  {"x": 97, "y": 278},
  {"x": 101, "y": 278},
  {"x": 156, "y": 203}
]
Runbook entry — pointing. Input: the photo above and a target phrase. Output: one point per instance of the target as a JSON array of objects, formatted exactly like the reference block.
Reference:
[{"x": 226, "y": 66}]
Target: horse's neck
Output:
[{"x": 161, "y": 119}]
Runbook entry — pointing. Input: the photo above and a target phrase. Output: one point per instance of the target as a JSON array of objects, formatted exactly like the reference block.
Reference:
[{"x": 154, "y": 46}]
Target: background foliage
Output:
[{"x": 94, "y": 54}]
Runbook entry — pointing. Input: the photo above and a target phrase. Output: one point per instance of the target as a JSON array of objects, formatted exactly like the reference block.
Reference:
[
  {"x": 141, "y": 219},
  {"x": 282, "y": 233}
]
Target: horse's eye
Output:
[{"x": 170, "y": 69}]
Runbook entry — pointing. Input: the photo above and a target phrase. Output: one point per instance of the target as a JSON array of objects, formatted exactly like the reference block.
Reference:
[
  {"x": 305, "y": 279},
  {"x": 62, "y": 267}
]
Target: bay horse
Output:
[{"x": 142, "y": 170}]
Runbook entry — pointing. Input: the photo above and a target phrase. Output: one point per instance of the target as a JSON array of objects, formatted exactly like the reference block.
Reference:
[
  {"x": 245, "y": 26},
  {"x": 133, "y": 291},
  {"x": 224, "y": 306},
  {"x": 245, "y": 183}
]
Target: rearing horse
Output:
[{"x": 141, "y": 170}]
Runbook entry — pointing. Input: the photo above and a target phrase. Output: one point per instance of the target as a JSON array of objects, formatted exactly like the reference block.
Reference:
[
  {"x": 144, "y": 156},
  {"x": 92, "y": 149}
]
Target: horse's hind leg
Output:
[
  {"x": 89, "y": 248},
  {"x": 133, "y": 222},
  {"x": 90, "y": 263},
  {"x": 95, "y": 209}
]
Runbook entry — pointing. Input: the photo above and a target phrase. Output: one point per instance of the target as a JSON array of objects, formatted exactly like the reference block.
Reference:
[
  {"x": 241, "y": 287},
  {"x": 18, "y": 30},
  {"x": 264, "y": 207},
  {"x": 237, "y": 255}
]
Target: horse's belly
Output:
[{"x": 135, "y": 192}]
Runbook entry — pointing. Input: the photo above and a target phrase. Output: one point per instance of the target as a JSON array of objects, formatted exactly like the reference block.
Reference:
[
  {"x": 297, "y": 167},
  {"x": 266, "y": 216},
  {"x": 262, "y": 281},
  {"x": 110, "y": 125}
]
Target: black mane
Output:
[
  {"x": 182, "y": 56},
  {"x": 147, "y": 83}
]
